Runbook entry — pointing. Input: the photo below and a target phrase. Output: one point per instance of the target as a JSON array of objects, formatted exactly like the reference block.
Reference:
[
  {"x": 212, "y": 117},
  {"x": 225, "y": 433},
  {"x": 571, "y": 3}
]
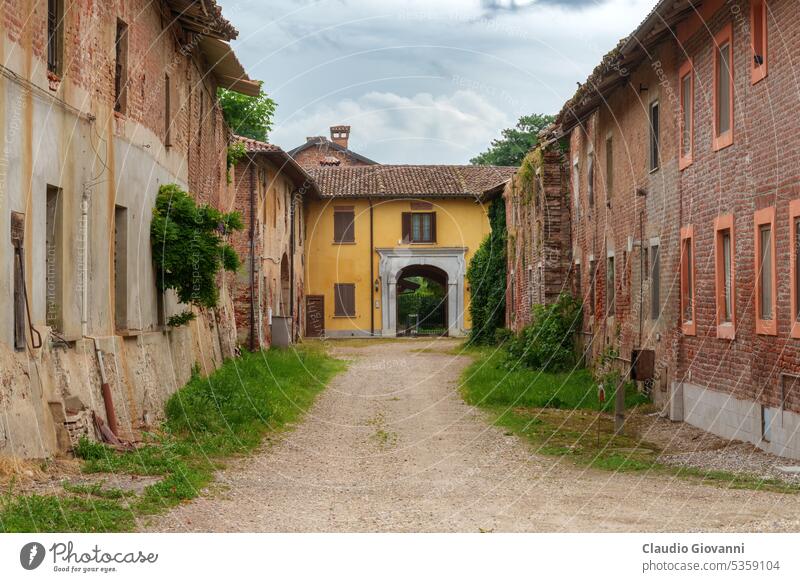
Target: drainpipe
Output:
[
  {"x": 371, "y": 270},
  {"x": 85, "y": 262},
  {"x": 252, "y": 338}
]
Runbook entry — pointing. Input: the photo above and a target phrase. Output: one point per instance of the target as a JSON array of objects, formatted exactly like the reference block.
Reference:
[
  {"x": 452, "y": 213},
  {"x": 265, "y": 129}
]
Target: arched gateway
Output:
[{"x": 399, "y": 262}]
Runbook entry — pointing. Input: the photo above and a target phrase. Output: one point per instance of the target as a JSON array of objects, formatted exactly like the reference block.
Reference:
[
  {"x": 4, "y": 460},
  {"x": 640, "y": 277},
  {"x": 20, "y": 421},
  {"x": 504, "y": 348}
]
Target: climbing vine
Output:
[
  {"x": 487, "y": 279},
  {"x": 236, "y": 151},
  {"x": 189, "y": 247}
]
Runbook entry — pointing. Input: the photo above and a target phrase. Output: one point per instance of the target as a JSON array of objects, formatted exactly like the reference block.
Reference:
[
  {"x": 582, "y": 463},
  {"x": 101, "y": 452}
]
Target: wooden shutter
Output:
[
  {"x": 433, "y": 227},
  {"x": 406, "y": 227},
  {"x": 343, "y": 225},
  {"x": 344, "y": 299}
]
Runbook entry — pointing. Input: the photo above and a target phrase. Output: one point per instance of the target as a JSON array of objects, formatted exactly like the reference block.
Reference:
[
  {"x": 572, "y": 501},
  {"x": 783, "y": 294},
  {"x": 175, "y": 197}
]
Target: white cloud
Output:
[{"x": 392, "y": 128}]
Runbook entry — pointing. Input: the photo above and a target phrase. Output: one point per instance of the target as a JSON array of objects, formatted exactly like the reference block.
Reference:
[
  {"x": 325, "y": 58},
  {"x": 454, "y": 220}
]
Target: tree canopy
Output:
[
  {"x": 515, "y": 142},
  {"x": 248, "y": 116}
]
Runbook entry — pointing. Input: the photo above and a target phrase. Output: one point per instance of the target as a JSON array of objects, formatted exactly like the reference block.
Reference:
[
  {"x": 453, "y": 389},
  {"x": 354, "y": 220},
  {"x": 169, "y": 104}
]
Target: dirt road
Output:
[{"x": 390, "y": 446}]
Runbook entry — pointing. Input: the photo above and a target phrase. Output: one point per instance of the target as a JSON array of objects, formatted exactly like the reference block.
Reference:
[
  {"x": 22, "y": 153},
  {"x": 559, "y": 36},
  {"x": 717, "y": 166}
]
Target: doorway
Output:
[{"x": 421, "y": 301}]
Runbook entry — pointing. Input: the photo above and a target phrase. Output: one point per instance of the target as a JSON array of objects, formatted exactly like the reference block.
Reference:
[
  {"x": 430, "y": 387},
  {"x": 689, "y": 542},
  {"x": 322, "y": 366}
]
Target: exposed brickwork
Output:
[
  {"x": 649, "y": 206},
  {"x": 538, "y": 221}
]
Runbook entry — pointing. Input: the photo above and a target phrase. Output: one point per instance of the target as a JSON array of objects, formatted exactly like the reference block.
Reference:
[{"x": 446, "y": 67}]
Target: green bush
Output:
[
  {"x": 487, "y": 279},
  {"x": 189, "y": 247},
  {"x": 548, "y": 342}
]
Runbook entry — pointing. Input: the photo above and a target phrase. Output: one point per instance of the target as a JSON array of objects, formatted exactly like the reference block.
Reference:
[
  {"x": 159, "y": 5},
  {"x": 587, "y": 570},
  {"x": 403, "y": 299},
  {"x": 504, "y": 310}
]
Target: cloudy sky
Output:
[{"x": 422, "y": 81}]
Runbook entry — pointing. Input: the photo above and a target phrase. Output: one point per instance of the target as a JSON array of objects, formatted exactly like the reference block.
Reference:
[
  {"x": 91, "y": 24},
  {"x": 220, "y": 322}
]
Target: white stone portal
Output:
[{"x": 451, "y": 260}]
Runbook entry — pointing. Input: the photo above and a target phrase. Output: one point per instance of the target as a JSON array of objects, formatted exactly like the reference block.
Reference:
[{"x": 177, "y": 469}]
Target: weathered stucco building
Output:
[
  {"x": 374, "y": 227},
  {"x": 272, "y": 192},
  {"x": 100, "y": 104},
  {"x": 684, "y": 204}
]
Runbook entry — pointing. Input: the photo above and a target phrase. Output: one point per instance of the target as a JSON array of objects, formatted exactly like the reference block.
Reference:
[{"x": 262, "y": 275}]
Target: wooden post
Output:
[{"x": 619, "y": 407}]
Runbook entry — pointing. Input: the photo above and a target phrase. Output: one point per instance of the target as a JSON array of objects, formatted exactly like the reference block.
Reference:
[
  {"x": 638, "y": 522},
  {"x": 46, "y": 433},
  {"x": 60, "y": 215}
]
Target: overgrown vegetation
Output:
[
  {"x": 248, "y": 116},
  {"x": 427, "y": 302},
  {"x": 515, "y": 142},
  {"x": 209, "y": 419},
  {"x": 189, "y": 247},
  {"x": 548, "y": 342},
  {"x": 236, "y": 151},
  {"x": 560, "y": 414},
  {"x": 486, "y": 275},
  {"x": 181, "y": 318}
]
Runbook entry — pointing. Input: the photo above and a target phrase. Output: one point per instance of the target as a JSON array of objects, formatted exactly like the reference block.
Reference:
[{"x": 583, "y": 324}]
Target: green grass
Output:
[
  {"x": 559, "y": 415},
  {"x": 210, "y": 419},
  {"x": 489, "y": 382}
]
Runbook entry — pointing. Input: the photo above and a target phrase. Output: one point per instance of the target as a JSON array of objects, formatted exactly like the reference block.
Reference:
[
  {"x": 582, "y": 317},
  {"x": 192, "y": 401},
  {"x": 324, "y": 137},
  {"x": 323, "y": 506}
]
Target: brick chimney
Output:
[{"x": 340, "y": 134}]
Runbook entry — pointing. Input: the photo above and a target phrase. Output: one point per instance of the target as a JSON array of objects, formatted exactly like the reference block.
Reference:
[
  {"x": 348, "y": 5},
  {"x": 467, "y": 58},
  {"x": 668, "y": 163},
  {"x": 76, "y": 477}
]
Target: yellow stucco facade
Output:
[{"x": 378, "y": 250}]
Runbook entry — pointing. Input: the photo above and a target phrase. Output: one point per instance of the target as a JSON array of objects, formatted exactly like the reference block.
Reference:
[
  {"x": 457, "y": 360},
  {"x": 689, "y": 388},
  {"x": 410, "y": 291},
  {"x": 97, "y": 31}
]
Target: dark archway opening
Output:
[{"x": 421, "y": 301}]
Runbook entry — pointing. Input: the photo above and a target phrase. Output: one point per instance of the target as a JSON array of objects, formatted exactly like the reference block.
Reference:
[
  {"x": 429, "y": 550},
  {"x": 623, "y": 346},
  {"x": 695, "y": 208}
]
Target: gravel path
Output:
[{"x": 390, "y": 446}]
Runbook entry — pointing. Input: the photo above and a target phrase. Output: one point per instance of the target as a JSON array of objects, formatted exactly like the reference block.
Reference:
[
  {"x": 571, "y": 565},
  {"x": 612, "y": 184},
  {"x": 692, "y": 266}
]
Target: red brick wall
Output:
[
  {"x": 761, "y": 169},
  {"x": 312, "y": 157}
]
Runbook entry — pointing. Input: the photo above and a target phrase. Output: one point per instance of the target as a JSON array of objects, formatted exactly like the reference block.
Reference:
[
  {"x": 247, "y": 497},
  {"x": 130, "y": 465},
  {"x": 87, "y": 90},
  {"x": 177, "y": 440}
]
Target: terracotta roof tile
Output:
[{"x": 389, "y": 181}]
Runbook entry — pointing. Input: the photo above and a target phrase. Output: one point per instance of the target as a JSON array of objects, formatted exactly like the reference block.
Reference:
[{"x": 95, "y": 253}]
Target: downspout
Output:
[
  {"x": 371, "y": 270},
  {"x": 252, "y": 336}
]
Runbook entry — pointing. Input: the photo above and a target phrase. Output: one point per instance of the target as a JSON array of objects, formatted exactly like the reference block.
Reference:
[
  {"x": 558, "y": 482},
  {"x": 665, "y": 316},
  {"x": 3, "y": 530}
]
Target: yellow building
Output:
[{"x": 376, "y": 231}]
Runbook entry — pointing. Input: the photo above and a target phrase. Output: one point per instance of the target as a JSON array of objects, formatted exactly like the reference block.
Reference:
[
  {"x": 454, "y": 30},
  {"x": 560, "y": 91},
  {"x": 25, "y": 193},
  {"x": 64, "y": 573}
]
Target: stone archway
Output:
[{"x": 450, "y": 260}]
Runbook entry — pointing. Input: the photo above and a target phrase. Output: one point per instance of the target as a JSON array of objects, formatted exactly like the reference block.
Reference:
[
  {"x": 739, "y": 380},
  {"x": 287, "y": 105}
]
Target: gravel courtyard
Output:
[{"x": 391, "y": 446}]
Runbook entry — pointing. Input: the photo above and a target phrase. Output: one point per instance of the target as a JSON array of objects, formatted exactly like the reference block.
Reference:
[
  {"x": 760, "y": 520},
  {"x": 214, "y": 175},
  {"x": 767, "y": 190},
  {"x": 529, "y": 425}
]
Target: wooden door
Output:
[{"x": 315, "y": 315}]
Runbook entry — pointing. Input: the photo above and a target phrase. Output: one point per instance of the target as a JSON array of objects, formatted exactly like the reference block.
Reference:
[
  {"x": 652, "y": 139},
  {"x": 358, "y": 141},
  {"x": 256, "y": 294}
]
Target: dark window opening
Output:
[
  {"x": 121, "y": 267},
  {"x": 55, "y": 36},
  {"x": 655, "y": 282},
  {"x": 610, "y": 288},
  {"x": 167, "y": 112},
  {"x": 419, "y": 227},
  {"x": 54, "y": 260},
  {"x": 654, "y": 137},
  {"x": 344, "y": 225},
  {"x": 121, "y": 68},
  {"x": 344, "y": 300}
]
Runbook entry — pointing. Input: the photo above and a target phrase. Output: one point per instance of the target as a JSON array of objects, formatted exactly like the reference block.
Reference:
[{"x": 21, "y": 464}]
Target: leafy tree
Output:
[
  {"x": 487, "y": 279},
  {"x": 247, "y": 116},
  {"x": 516, "y": 142},
  {"x": 189, "y": 247}
]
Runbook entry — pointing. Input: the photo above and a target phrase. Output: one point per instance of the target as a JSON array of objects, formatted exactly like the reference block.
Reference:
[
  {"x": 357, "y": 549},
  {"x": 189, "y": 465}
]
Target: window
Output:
[
  {"x": 344, "y": 224},
  {"x": 590, "y": 179},
  {"x": 419, "y": 227},
  {"x": 687, "y": 114},
  {"x": 655, "y": 282},
  {"x": 654, "y": 137},
  {"x": 576, "y": 186},
  {"x": 758, "y": 38},
  {"x": 689, "y": 325},
  {"x": 766, "y": 284},
  {"x": 609, "y": 168},
  {"x": 121, "y": 68},
  {"x": 121, "y": 267},
  {"x": 54, "y": 260},
  {"x": 724, "y": 251},
  {"x": 55, "y": 36},
  {"x": 611, "y": 305},
  {"x": 592, "y": 285},
  {"x": 167, "y": 112},
  {"x": 344, "y": 300},
  {"x": 723, "y": 89},
  {"x": 794, "y": 268}
]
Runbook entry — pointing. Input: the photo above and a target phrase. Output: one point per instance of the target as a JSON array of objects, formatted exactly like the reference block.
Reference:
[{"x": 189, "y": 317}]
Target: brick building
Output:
[
  {"x": 103, "y": 102},
  {"x": 272, "y": 192},
  {"x": 321, "y": 151},
  {"x": 684, "y": 203}
]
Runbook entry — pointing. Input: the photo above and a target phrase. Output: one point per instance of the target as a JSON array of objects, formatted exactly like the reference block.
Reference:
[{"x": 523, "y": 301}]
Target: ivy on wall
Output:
[
  {"x": 189, "y": 247},
  {"x": 487, "y": 279}
]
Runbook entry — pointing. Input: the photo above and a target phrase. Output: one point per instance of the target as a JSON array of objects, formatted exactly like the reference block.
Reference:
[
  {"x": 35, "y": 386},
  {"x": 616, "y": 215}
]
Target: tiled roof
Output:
[
  {"x": 285, "y": 163},
  {"x": 388, "y": 181},
  {"x": 325, "y": 142},
  {"x": 204, "y": 17},
  {"x": 255, "y": 146}
]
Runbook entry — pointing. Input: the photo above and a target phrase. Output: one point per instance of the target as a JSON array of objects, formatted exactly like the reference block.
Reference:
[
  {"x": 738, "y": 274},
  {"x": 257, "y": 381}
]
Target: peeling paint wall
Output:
[{"x": 64, "y": 133}]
